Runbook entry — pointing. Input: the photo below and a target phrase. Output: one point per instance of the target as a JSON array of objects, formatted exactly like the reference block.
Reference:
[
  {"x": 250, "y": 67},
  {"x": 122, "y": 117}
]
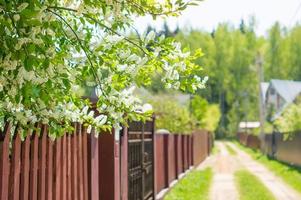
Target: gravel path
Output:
[
  {"x": 224, "y": 166},
  {"x": 280, "y": 189}
]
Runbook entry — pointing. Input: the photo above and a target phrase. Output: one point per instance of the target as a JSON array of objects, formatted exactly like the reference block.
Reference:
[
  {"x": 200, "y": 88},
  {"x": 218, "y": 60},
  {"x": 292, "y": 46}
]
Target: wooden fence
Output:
[
  {"x": 79, "y": 166},
  {"x": 40, "y": 168},
  {"x": 275, "y": 146},
  {"x": 175, "y": 154}
]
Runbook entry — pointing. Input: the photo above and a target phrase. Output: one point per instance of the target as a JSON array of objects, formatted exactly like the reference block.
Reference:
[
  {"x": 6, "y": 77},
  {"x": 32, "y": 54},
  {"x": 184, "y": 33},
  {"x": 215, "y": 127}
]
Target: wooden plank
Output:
[
  {"x": 85, "y": 161},
  {"x": 80, "y": 163},
  {"x": 64, "y": 168},
  {"x": 4, "y": 163},
  {"x": 15, "y": 168},
  {"x": 124, "y": 164},
  {"x": 74, "y": 164},
  {"x": 69, "y": 167},
  {"x": 49, "y": 169},
  {"x": 94, "y": 166},
  {"x": 42, "y": 164},
  {"x": 33, "y": 187},
  {"x": 58, "y": 169},
  {"x": 25, "y": 163}
]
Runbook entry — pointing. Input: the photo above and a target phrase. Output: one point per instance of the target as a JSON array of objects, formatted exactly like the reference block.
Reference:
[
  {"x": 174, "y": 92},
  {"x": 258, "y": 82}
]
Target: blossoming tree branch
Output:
[{"x": 50, "y": 48}]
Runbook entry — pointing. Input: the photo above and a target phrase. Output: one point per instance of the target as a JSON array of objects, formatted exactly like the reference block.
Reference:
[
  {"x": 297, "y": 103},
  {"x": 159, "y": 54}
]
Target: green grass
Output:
[
  {"x": 290, "y": 174},
  {"x": 215, "y": 150},
  {"x": 231, "y": 150},
  {"x": 250, "y": 187},
  {"x": 194, "y": 186}
]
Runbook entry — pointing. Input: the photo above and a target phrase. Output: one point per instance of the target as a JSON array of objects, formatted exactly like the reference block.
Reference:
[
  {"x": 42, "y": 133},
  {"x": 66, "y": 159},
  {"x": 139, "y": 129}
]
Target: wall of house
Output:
[{"x": 273, "y": 100}]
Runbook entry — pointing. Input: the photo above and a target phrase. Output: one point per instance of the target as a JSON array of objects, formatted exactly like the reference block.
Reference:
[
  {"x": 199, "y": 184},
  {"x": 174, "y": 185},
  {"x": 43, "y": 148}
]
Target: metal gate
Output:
[{"x": 140, "y": 161}]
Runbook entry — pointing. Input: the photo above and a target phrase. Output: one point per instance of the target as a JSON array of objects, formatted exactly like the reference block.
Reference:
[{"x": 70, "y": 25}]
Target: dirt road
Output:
[{"x": 224, "y": 166}]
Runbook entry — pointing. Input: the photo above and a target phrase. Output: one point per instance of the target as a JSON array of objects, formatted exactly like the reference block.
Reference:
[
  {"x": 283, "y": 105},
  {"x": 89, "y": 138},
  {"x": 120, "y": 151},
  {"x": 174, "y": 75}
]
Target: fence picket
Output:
[
  {"x": 64, "y": 168},
  {"x": 69, "y": 167},
  {"x": 15, "y": 168},
  {"x": 42, "y": 163},
  {"x": 80, "y": 163},
  {"x": 24, "y": 187},
  {"x": 49, "y": 169},
  {"x": 4, "y": 162},
  {"x": 74, "y": 164},
  {"x": 85, "y": 161},
  {"x": 33, "y": 187},
  {"x": 58, "y": 169}
]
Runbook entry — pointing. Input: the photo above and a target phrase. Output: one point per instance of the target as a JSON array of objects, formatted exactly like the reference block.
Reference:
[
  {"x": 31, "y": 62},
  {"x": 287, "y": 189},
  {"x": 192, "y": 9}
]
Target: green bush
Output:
[
  {"x": 290, "y": 120},
  {"x": 206, "y": 115},
  {"x": 176, "y": 118},
  {"x": 171, "y": 115}
]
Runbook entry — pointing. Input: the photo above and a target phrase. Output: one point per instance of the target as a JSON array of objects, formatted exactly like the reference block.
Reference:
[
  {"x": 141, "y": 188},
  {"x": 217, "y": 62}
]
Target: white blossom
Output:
[
  {"x": 22, "y": 6},
  {"x": 150, "y": 37}
]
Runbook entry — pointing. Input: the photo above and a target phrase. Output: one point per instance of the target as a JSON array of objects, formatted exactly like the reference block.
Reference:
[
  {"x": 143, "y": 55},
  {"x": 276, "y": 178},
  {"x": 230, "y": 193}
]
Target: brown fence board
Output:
[
  {"x": 25, "y": 163},
  {"x": 94, "y": 166},
  {"x": 58, "y": 169},
  {"x": 74, "y": 163},
  {"x": 33, "y": 181},
  {"x": 80, "y": 163},
  {"x": 42, "y": 164},
  {"x": 200, "y": 146},
  {"x": 85, "y": 162},
  {"x": 15, "y": 168},
  {"x": 49, "y": 169},
  {"x": 64, "y": 167},
  {"x": 4, "y": 163},
  {"x": 69, "y": 167},
  {"x": 171, "y": 159}
]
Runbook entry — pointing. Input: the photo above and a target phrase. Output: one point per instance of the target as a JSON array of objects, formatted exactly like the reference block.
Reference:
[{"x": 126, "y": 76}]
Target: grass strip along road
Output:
[
  {"x": 231, "y": 150},
  {"x": 250, "y": 187},
  {"x": 289, "y": 174},
  {"x": 194, "y": 186}
]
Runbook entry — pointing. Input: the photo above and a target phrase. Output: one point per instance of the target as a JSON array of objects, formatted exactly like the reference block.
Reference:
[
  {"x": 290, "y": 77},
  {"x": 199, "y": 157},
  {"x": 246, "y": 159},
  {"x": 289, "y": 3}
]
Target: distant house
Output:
[
  {"x": 246, "y": 126},
  {"x": 278, "y": 95}
]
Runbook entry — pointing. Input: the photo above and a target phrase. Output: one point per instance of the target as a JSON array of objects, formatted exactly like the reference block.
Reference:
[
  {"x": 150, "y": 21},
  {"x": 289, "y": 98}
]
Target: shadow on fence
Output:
[{"x": 275, "y": 146}]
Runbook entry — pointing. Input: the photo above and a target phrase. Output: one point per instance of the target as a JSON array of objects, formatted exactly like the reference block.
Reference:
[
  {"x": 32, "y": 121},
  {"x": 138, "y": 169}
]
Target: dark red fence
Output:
[
  {"x": 80, "y": 166},
  {"x": 175, "y": 154},
  {"x": 40, "y": 168},
  {"x": 202, "y": 145},
  {"x": 251, "y": 141},
  {"x": 76, "y": 166},
  {"x": 275, "y": 146}
]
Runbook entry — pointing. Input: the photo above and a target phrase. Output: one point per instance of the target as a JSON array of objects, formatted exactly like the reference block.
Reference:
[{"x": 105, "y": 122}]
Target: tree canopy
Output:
[
  {"x": 51, "y": 48},
  {"x": 230, "y": 53}
]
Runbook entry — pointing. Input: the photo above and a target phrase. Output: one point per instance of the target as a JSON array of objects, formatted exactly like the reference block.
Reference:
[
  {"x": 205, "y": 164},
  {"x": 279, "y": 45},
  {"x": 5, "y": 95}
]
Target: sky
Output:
[{"x": 209, "y": 13}]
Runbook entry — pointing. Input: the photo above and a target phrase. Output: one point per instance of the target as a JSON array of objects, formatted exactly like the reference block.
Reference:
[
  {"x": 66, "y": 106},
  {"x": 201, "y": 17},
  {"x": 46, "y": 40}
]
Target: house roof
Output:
[{"x": 288, "y": 90}]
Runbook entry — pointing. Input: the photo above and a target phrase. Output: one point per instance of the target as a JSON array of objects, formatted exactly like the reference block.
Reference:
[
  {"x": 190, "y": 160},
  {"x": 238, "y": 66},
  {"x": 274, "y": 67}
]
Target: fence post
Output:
[{"x": 166, "y": 158}]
